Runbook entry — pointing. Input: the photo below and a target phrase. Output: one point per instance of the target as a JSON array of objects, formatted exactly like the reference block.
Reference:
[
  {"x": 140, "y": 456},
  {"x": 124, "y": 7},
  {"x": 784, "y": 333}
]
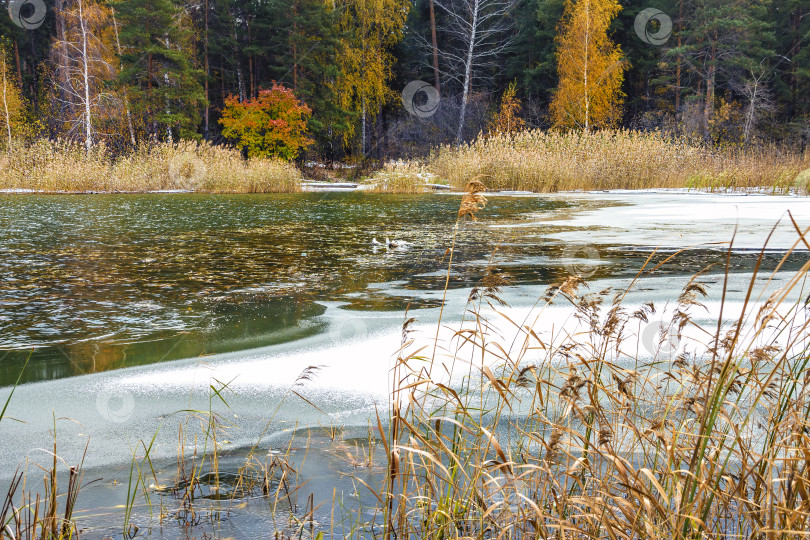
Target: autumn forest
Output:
[{"x": 331, "y": 74}]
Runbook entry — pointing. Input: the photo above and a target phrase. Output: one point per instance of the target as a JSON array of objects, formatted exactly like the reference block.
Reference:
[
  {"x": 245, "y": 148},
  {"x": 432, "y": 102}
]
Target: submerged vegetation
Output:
[{"x": 68, "y": 167}]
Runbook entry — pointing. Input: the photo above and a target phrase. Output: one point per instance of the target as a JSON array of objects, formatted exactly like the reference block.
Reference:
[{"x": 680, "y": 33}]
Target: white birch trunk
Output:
[
  {"x": 5, "y": 102},
  {"x": 468, "y": 71},
  {"x": 88, "y": 119}
]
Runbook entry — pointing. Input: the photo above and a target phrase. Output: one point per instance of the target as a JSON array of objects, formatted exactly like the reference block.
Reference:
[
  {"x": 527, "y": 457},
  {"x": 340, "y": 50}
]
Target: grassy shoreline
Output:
[
  {"x": 536, "y": 161},
  {"x": 63, "y": 167},
  {"x": 550, "y": 162}
]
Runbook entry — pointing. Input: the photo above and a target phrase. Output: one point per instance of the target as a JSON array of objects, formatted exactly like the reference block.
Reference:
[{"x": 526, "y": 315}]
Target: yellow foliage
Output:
[
  {"x": 508, "y": 119},
  {"x": 590, "y": 67},
  {"x": 365, "y": 60},
  {"x": 11, "y": 103},
  {"x": 68, "y": 90}
]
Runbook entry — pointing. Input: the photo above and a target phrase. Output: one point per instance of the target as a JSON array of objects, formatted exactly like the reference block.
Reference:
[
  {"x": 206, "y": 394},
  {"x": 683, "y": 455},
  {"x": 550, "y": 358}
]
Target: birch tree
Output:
[
  {"x": 11, "y": 103},
  {"x": 86, "y": 63},
  {"x": 370, "y": 28},
  {"x": 590, "y": 67},
  {"x": 476, "y": 33}
]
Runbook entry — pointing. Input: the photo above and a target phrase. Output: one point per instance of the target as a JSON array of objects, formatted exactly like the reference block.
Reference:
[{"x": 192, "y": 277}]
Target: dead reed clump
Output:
[
  {"x": 400, "y": 177},
  {"x": 544, "y": 161},
  {"x": 506, "y": 431},
  {"x": 61, "y": 166}
]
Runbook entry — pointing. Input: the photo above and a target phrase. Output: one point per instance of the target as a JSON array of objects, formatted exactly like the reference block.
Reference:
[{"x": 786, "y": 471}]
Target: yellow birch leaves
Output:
[
  {"x": 590, "y": 67},
  {"x": 370, "y": 29},
  {"x": 11, "y": 103}
]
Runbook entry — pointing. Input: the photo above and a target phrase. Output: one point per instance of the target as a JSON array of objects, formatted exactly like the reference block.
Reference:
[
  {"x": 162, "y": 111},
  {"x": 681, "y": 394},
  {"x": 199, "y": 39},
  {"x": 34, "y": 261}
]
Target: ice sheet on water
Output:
[{"x": 684, "y": 219}]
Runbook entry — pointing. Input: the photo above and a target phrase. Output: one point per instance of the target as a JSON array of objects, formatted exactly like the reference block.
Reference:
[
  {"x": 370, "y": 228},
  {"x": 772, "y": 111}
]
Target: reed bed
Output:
[
  {"x": 402, "y": 177},
  {"x": 547, "y": 161},
  {"x": 577, "y": 434},
  {"x": 60, "y": 166},
  {"x": 37, "y": 515}
]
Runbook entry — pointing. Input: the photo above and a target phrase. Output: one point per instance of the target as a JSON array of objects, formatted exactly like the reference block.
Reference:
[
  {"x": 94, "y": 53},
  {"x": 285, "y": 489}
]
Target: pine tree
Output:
[
  {"x": 792, "y": 17},
  {"x": 164, "y": 85},
  {"x": 315, "y": 38},
  {"x": 590, "y": 67},
  {"x": 723, "y": 42},
  {"x": 532, "y": 58}
]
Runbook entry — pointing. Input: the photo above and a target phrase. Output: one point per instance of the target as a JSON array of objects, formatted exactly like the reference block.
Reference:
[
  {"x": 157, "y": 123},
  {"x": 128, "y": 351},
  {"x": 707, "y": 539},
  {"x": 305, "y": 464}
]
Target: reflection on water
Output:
[
  {"x": 99, "y": 282},
  {"x": 92, "y": 283}
]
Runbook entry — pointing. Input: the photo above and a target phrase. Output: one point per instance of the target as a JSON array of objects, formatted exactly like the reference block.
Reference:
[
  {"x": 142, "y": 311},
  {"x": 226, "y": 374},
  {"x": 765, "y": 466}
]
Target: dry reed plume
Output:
[
  {"x": 579, "y": 435},
  {"x": 551, "y": 161},
  {"x": 61, "y": 166}
]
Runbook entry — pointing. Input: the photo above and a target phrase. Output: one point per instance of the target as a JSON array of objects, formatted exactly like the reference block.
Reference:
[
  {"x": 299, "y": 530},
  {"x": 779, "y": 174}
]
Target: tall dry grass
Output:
[
  {"x": 59, "y": 166},
  {"x": 544, "y": 161},
  {"x": 403, "y": 177},
  {"x": 578, "y": 435}
]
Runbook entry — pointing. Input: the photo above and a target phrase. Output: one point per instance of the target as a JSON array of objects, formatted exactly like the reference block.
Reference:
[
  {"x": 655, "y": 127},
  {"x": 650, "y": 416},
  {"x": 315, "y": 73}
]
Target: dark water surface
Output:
[{"x": 93, "y": 283}]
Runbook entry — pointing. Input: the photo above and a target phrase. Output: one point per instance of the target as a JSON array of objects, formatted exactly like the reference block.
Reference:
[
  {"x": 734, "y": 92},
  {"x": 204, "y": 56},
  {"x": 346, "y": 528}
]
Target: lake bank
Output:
[{"x": 533, "y": 161}]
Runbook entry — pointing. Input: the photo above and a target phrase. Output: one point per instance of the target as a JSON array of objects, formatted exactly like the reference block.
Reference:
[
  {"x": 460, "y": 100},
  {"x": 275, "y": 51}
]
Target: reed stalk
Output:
[
  {"x": 548, "y": 161},
  {"x": 582, "y": 435}
]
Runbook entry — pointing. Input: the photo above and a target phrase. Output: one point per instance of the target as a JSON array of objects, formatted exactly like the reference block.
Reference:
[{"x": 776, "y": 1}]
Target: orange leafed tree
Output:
[
  {"x": 272, "y": 125},
  {"x": 590, "y": 67}
]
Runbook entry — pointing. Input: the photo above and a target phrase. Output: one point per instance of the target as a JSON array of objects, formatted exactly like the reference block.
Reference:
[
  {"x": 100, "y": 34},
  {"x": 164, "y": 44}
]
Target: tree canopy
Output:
[{"x": 121, "y": 72}]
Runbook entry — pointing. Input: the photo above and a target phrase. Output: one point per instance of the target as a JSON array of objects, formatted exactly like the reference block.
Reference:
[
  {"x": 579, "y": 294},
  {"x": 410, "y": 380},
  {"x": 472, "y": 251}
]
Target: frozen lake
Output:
[{"x": 134, "y": 306}]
